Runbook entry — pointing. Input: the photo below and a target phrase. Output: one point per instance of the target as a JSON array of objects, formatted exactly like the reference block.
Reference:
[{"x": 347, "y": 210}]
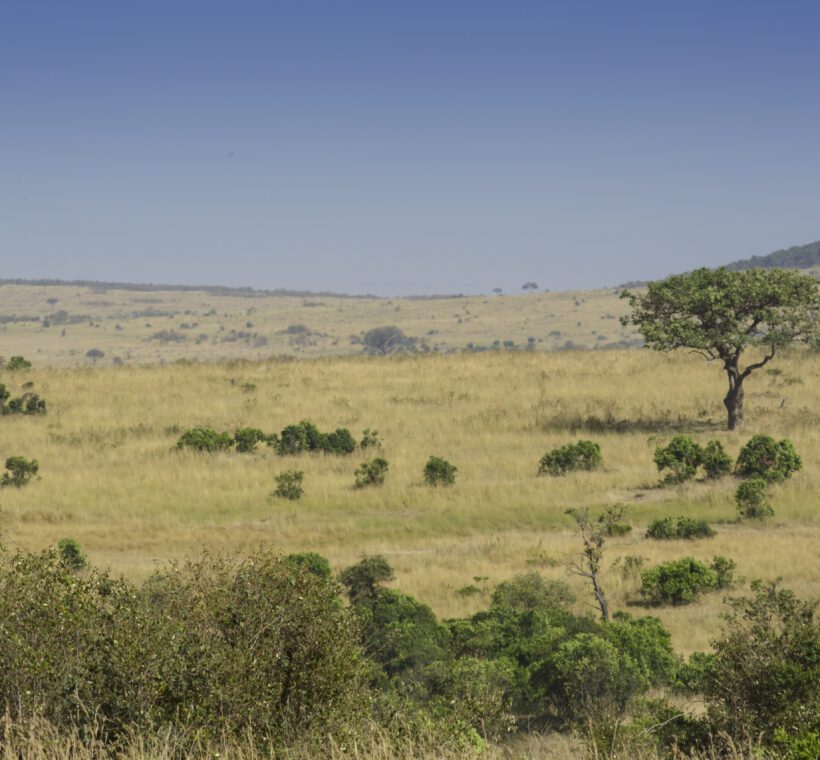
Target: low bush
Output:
[
  {"x": 339, "y": 442},
  {"x": 752, "y": 499},
  {"x": 716, "y": 462},
  {"x": 204, "y": 439},
  {"x": 371, "y": 473},
  {"x": 439, "y": 472},
  {"x": 28, "y": 403},
  {"x": 766, "y": 458},
  {"x": 18, "y": 363},
  {"x": 678, "y": 582},
  {"x": 681, "y": 457},
  {"x": 289, "y": 485},
  {"x": 71, "y": 555},
  {"x": 582, "y": 455},
  {"x": 306, "y": 437},
  {"x": 19, "y": 471},
  {"x": 370, "y": 439},
  {"x": 679, "y": 528},
  {"x": 247, "y": 438}
]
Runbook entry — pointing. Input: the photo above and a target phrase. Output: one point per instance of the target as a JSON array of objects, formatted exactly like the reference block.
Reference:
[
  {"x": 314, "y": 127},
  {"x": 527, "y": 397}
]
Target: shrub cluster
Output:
[
  {"x": 371, "y": 473},
  {"x": 19, "y": 471},
  {"x": 305, "y": 437},
  {"x": 764, "y": 461},
  {"x": 289, "y": 485},
  {"x": 682, "y": 581},
  {"x": 679, "y": 528},
  {"x": 439, "y": 472},
  {"x": 581, "y": 455},
  {"x": 682, "y": 457},
  {"x": 28, "y": 403}
]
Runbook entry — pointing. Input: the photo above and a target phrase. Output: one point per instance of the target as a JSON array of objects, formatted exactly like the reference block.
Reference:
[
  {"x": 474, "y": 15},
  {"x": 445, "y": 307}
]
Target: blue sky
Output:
[{"x": 404, "y": 147}]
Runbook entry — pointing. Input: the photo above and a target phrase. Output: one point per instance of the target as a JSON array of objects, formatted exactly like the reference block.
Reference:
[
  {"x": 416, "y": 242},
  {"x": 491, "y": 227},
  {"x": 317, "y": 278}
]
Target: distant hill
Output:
[{"x": 797, "y": 257}]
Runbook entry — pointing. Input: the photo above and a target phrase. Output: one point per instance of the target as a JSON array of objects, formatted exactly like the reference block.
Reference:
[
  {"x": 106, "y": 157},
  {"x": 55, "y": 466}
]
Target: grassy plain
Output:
[
  {"x": 57, "y": 325},
  {"x": 111, "y": 479}
]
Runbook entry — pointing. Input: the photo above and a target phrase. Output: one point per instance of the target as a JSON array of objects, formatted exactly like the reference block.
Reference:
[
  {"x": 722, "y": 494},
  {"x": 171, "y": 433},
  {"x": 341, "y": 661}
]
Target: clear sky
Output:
[{"x": 402, "y": 147}]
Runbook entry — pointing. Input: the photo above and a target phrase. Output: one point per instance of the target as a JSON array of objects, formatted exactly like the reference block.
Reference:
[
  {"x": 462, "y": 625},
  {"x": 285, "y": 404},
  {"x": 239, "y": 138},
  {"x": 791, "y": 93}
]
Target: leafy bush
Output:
[
  {"x": 204, "y": 439},
  {"x": 71, "y": 555},
  {"x": 370, "y": 439},
  {"x": 18, "y": 363},
  {"x": 618, "y": 529},
  {"x": 312, "y": 562},
  {"x": 371, "y": 473},
  {"x": 767, "y": 667},
  {"x": 682, "y": 457},
  {"x": 362, "y": 579},
  {"x": 305, "y": 437},
  {"x": 439, "y": 471},
  {"x": 340, "y": 442},
  {"x": 716, "y": 462},
  {"x": 582, "y": 455},
  {"x": 289, "y": 485},
  {"x": 247, "y": 438},
  {"x": 766, "y": 458},
  {"x": 691, "y": 676},
  {"x": 725, "y": 570},
  {"x": 19, "y": 471},
  {"x": 28, "y": 403},
  {"x": 678, "y": 582},
  {"x": 752, "y": 499},
  {"x": 679, "y": 528}
]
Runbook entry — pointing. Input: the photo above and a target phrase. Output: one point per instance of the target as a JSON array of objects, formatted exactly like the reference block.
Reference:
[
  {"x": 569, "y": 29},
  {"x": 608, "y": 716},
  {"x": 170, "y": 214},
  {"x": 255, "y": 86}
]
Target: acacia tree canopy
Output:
[{"x": 720, "y": 314}]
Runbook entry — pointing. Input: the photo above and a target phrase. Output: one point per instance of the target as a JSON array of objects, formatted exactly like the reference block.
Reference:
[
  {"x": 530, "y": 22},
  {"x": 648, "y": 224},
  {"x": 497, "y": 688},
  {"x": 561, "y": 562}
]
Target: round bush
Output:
[
  {"x": 752, "y": 499},
  {"x": 582, "y": 455},
  {"x": 439, "y": 472},
  {"x": 716, "y": 462},
  {"x": 289, "y": 485},
  {"x": 677, "y": 582},
  {"x": 682, "y": 457},
  {"x": 371, "y": 473},
  {"x": 771, "y": 460}
]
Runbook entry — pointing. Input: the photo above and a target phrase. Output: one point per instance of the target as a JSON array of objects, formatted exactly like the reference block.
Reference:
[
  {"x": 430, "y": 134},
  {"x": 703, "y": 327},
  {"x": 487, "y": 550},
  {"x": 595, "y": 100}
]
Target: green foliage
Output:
[
  {"x": 725, "y": 570},
  {"x": 312, "y": 562},
  {"x": 289, "y": 485},
  {"x": 766, "y": 458},
  {"x": 678, "y": 582},
  {"x": 71, "y": 555},
  {"x": 306, "y": 437},
  {"x": 531, "y": 591},
  {"x": 247, "y": 438},
  {"x": 439, "y": 472},
  {"x": 372, "y": 472},
  {"x": 19, "y": 471},
  {"x": 618, "y": 529},
  {"x": 481, "y": 691},
  {"x": 28, "y": 403},
  {"x": 204, "y": 439},
  {"x": 260, "y": 648},
  {"x": 752, "y": 499},
  {"x": 647, "y": 643},
  {"x": 370, "y": 439},
  {"x": 767, "y": 667},
  {"x": 691, "y": 676},
  {"x": 363, "y": 579},
  {"x": 716, "y": 462},
  {"x": 4, "y": 394},
  {"x": 679, "y": 528},
  {"x": 682, "y": 457},
  {"x": 804, "y": 745},
  {"x": 18, "y": 363},
  {"x": 582, "y": 455}
]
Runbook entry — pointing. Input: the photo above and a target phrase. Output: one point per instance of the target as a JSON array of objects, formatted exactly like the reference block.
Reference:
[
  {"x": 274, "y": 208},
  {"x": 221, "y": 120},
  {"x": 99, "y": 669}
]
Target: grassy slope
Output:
[
  {"x": 111, "y": 480},
  {"x": 121, "y": 323}
]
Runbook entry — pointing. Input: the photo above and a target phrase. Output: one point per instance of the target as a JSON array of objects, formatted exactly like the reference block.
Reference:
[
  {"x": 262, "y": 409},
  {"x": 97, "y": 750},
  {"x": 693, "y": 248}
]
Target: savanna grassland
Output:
[
  {"x": 111, "y": 479},
  {"x": 59, "y": 324}
]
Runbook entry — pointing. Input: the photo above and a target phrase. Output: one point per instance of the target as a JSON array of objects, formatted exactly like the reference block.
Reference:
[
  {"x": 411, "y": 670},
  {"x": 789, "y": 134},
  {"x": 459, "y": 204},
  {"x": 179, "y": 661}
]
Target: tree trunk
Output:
[
  {"x": 734, "y": 399},
  {"x": 603, "y": 605}
]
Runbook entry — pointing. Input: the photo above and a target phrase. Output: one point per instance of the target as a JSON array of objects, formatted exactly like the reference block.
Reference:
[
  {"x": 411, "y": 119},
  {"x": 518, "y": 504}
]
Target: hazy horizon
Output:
[{"x": 403, "y": 148}]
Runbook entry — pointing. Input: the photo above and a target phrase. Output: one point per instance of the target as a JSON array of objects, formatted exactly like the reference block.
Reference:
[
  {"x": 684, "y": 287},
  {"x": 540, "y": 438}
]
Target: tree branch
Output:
[{"x": 757, "y": 365}]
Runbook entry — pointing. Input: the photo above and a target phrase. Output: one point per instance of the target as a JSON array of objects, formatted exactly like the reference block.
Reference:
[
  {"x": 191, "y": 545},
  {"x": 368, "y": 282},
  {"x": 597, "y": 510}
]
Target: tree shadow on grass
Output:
[{"x": 609, "y": 423}]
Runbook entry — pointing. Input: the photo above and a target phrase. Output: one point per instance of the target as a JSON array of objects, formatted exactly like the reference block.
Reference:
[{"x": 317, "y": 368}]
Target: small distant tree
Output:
[
  {"x": 364, "y": 579},
  {"x": 371, "y": 473},
  {"x": 71, "y": 555},
  {"x": 385, "y": 340},
  {"x": 721, "y": 315},
  {"x": 529, "y": 286},
  {"x": 497, "y": 291},
  {"x": 593, "y": 535},
  {"x": 94, "y": 354}
]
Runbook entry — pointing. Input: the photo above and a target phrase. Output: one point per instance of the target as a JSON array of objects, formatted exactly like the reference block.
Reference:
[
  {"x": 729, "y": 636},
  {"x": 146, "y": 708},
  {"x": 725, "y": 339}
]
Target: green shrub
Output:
[
  {"x": 681, "y": 456},
  {"x": 339, "y": 442},
  {"x": 18, "y": 363},
  {"x": 289, "y": 485},
  {"x": 371, "y": 473},
  {"x": 716, "y": 462},
  {"x": 752, "y": 499},
  {"x": 247, "y": 438},
  {"x": 312, "y": 562},
  {"x": 582, "y": 455},
  {"x": 766, "y": 458},
  {"x": 363, "y": 579},
  {"x": 618, "y": 529},
  {"x": 71, "y": 555},
  {"x": 691, "y": 676},
  {"x": 647, "y": 643},
  {"x": 370, "y": 439},
  {"x": 204, "y": 439},
  {"x": 28, "y": 403},
  {"x": 767, "y": 667},
  {"x": 678, "y": 582},
  {"x": 679, "y": 528},
  {"x": 531, "y": 591},
  {"x": 725, "y": 570},
  {"x": 439, "y": 472},
  {"x": 19, "y": 471}
]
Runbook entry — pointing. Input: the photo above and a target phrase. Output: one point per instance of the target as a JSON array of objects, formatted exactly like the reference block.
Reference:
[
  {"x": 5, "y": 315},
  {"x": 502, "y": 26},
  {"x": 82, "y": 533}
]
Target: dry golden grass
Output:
[
  {"x": 121, "y": 323},
  {"x": 111, "y": 479}
]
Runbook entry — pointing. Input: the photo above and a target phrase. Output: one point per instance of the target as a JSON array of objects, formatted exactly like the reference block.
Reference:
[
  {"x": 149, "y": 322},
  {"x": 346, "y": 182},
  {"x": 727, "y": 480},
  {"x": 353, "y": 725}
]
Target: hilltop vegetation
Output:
[{"x": 797, "y": 257}]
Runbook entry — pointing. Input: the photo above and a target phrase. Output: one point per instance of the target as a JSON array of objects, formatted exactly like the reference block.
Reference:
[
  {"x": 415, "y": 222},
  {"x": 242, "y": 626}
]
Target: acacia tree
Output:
[{"x": 720, "y": 314}]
